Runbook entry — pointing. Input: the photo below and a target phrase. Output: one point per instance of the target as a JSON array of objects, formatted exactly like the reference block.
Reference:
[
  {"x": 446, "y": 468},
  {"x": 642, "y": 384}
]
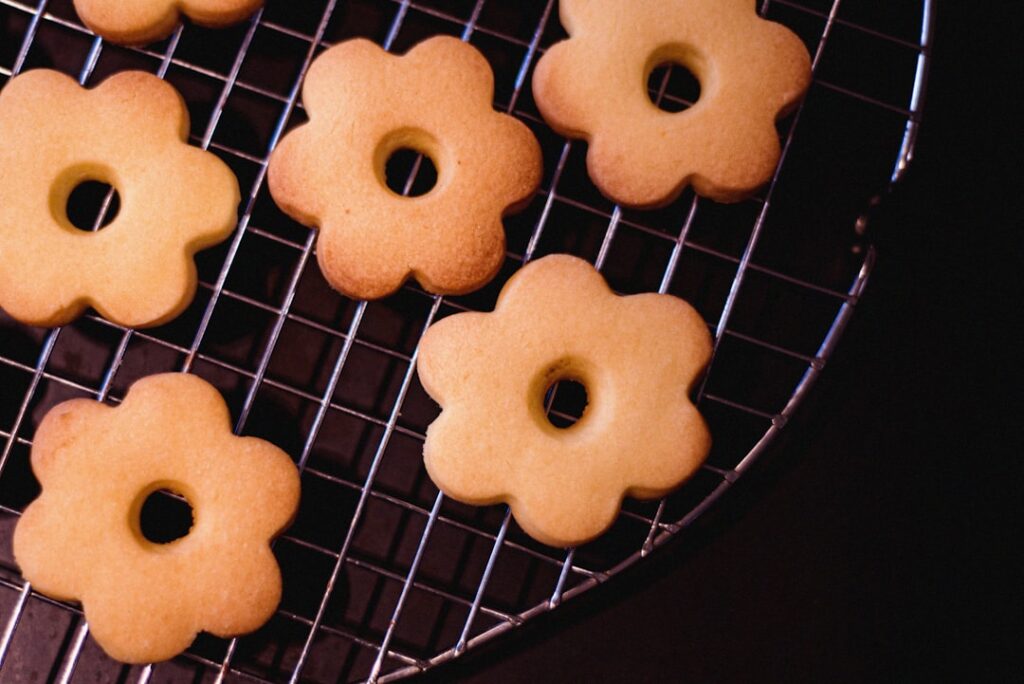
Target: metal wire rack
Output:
[{"x": 384, "y": 577}]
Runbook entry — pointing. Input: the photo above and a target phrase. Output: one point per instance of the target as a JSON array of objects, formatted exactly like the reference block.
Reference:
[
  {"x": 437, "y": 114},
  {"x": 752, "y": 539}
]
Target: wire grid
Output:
[{"x": 384, "y": 577}]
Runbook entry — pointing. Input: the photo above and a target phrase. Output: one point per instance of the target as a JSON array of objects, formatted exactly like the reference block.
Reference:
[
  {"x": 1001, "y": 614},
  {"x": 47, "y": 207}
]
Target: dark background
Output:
[{"x": 878, "y": 540}]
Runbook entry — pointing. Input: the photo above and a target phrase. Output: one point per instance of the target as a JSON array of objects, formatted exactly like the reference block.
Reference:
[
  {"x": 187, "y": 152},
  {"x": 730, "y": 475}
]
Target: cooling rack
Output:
[{"x": 383, "y": 576}]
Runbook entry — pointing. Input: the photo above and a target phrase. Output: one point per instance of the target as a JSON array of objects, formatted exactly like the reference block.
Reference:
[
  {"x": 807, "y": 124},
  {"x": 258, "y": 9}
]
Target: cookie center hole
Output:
[
  {"x": 410, "y": 173},
  {"x": 672, "y": 87},
  {"x": 165, "y": 516},
  {"x": 93, "y": 205},
  {"x": 565, "y": 400}
]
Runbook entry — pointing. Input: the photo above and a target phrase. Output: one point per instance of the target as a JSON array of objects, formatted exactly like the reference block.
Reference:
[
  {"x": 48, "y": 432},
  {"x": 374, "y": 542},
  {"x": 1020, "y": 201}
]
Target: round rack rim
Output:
[{"x": 661, "y": 531}]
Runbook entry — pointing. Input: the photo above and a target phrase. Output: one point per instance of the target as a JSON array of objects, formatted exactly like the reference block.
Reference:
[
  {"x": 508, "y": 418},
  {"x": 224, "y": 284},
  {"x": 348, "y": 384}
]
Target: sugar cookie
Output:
[
  {"x": 594, "y": 86},
  {"x": 144, "y": 21},
  {"x": 638, "y": 358},
  {"x": 81, "y": 540},
  {"x": 129, "y": 132},
  {"x": 364, "y": 104}
]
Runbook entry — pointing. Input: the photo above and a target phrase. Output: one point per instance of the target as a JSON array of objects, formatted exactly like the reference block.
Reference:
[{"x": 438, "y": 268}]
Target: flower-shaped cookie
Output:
[
  {"x": 129, "y": 132},
  {"x": 82, "y": 539},
  {"x": 364, "y": 105},
  {"x": 556, "y": 319},
  {"x": 143, "y": 21},
  {"x": 594, "y": 86}
]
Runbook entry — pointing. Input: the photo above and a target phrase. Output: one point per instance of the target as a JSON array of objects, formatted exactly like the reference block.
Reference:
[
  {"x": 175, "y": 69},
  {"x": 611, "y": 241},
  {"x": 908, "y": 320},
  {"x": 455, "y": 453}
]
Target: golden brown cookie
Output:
[
  {"x": 364, "y": 104},
  {"x": 81, "y": 539},
  {"x": 129, "y": 132},
  {"x": 594, "y": 86},
  {"x": 638, "y": 358},
  {"x": 136, "y": 22}
]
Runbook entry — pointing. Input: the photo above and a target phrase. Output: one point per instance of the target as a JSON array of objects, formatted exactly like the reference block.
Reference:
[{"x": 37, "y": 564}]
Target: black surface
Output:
[{"x": 879, "y": 540}]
